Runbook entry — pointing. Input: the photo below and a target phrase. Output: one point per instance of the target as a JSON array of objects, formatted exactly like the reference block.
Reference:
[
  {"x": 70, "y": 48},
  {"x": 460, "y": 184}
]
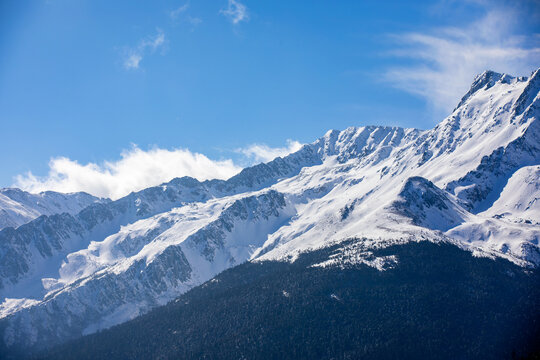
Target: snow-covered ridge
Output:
[
  {"x": 39, "y": 247},
  {"x": 428, "y": 206},
  {"x": 18, "y": 207},
  {"x": 152, "y": 260},
  {"x": 471, "y": 180}
]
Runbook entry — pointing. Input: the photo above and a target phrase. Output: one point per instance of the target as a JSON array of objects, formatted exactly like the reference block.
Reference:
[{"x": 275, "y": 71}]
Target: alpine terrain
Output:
[
  {"x": 360, "y": 244},
  {"x": 18, "y": 207}
]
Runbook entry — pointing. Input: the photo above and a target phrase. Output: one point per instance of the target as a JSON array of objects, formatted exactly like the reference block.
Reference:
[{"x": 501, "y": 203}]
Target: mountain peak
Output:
[{"x": 486, "y": 80}]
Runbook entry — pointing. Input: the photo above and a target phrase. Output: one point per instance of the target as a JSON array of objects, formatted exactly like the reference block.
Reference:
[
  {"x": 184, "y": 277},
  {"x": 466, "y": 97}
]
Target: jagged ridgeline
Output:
[
  {"x": 470, "y": 186},
  {"x": 18, "y": 207}
]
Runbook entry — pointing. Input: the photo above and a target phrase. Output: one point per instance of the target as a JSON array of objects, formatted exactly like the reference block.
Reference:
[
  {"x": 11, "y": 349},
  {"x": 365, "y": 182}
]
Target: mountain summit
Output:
[{"x": 472, "y": 181}]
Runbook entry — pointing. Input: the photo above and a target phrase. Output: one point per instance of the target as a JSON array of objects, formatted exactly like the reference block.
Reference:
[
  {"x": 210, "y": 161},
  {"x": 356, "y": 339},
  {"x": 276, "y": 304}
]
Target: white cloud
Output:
[
  {"x": 134, "y": 56},
  {"x": 235, "y": 11},
  {"x": 447, "y": 59},
  {"x": 263, "y": 153},
  {"x": 137, "y": 169},
  {"x": 180, "y": 15},
  {"x": 132, "y": 61},
  {"x": 174, "y": 14},
  {"x": 153, "y": 42},
  {"x": 193, "y": 20}
]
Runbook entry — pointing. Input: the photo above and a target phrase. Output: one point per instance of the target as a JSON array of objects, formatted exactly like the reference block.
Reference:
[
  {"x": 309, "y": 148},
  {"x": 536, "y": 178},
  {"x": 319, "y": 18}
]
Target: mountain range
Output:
[{"x": 73, "y": 264}]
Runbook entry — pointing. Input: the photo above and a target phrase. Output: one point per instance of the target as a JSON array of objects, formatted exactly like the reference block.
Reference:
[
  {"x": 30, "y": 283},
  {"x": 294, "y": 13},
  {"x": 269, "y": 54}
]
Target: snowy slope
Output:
[
  {"x": 18, "y": 207},
  {"x": 472, "y": 181},
  {"x": 149, "y": 262},
  {"x": 470, "y": 156},
  {"x": 38, "y": 248},
  {"x": 519, "y": 201}
]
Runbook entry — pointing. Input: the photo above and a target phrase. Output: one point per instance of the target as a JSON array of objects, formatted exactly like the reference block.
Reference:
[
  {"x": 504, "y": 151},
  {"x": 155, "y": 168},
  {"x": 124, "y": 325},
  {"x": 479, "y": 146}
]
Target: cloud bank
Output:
[
  {"x": 447, "y": 59},
  {"x": 138, "y": 169}
]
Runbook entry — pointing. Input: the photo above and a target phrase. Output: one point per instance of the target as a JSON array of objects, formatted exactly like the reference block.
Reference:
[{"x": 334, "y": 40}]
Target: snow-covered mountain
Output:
[
  {"x": 471, "y": 181},
  {"x": 18, "y": 207}
]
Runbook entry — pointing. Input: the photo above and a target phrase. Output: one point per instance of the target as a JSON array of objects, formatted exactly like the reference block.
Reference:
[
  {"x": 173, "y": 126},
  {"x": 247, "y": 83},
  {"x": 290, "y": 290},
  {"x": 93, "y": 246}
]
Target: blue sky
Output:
[{"x": 94, "y": 93}]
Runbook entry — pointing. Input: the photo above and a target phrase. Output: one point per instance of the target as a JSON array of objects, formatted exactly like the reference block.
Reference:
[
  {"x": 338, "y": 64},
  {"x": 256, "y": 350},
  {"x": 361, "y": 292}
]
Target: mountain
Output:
[
  {"x": 436, "y": 301},
  {"x": 470, "y": 182},
  {"x": 18, "y": 207}
]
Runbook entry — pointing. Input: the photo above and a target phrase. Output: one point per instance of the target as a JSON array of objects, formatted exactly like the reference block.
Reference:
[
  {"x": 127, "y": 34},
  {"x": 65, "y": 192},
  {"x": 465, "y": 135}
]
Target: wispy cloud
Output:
[
  {"x": 180, "y": 15},
  {"x": 447, "y": 59},
  {"x": 236, "y": 12},
  {"x": 136, "y": 170},
  {"x": 257, "y": 153},
  {"x": 132, "y": 61},
  {"x": 134, "y": 56},
  {"x": 193, "y": 20},
  {"x": 174, "y": 14}
]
